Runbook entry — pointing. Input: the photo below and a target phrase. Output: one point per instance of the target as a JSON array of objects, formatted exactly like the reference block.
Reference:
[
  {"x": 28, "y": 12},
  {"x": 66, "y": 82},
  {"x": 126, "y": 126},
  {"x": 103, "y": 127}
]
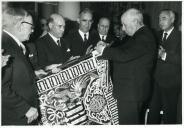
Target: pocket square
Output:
[
  {"x": 30, "y": 55},
  {"x": 68, "y": 50}
]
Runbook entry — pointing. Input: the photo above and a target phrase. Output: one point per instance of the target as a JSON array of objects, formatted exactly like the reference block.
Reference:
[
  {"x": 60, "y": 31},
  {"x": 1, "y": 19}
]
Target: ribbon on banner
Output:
[{"x": 79, "y": 94}]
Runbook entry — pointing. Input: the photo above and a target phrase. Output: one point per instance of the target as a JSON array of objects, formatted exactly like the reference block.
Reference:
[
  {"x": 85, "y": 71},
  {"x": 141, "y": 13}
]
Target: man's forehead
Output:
[
  {"x": 104, "y": 21},
  {"x": 124, "y": 19},
  {"x": 59, "y": 20},
  {"x": 86, "y": 16},
  {"x": 164, "y": 14}
]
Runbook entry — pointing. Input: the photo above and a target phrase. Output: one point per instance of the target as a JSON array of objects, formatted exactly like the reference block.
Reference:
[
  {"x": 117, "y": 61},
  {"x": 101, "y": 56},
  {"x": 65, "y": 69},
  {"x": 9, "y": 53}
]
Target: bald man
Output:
[
  {"x": 103, "y": 31},
  {"x": 52, "y": 48},
  {"x": 168, "y": 72},
  {"x": 132, "y": 67}
]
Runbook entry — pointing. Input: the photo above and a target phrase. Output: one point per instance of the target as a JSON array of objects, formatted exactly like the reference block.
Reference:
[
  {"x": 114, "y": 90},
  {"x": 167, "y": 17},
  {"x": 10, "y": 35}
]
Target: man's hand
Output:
[
  {"x": 40, "y": 73},
  {"x": 32, "y": 114},
  {"x": 4, "y": 59},
  {"x": 54, "y": 68},
  {"x": 73, "y": 57},
  {"x": 100, "y": 47},
  {"x": 89, "y": 49},
  {"x": 161, "y": 53}
]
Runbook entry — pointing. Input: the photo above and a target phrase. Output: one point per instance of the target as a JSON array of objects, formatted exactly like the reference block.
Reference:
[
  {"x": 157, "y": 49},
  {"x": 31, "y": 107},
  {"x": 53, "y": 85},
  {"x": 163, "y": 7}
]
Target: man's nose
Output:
[{"x": 62, "y": 29}]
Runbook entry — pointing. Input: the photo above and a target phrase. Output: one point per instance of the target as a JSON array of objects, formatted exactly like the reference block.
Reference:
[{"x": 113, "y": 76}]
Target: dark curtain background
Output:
[
  {"x": 111, "y": 9},
  {"x": 151, "y": 10}
]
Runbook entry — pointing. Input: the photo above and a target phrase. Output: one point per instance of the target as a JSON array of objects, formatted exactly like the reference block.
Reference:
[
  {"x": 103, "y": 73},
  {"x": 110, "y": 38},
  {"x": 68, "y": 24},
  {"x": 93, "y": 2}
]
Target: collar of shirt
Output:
[
  {"x": 168, "y": 33},
  {"x": 82, "y": 34},
  {"x": 105, "y": 36},
  {"x": 19, "y": 43},
  {"x": 54, "y": 38}
]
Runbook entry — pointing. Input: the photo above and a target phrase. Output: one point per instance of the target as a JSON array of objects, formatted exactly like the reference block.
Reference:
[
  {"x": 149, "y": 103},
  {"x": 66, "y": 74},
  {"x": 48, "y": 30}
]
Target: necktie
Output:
[
  {"x": 59, "y": 43},
  {"x": 165, "y": 37},
  {"x": 103, "y": 38},
  {"x": 85, "y": 38}
]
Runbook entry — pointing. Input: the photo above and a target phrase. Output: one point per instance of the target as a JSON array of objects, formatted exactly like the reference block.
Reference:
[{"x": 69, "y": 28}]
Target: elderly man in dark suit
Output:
[
  {"x": 52, "y": 48},
  {"x": 168, "y": 72},
  {"x": 81, "y": 40},
  {"x": 103, "y": 31},
  {"x": 132, "y": 67},
  {"x": 19, "y": 93}
]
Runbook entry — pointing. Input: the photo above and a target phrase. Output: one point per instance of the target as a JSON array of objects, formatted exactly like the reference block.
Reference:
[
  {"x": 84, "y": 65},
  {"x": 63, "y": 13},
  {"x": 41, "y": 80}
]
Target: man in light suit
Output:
[
  {"x": 167, "y": 85},
  {"x": 19, "y": 93},
  {"x": 81, "y": 40},
  {"x": 52, "y": 49},
  {"x": 132, "y": 67}
]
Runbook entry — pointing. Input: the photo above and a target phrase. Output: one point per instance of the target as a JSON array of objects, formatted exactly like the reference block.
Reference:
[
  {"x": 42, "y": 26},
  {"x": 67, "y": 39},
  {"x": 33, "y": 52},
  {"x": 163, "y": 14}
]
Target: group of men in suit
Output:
[
  {"x": 77, "y": 43},
  {"x": 133, "y": 63}
]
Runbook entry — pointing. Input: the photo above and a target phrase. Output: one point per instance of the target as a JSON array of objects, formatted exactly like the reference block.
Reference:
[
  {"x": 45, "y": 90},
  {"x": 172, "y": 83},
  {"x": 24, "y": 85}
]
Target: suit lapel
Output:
[
  {"x": 79, "y": 37},
  {"x": 170, "y": 40},
  {"x": 51, "y": 42}
]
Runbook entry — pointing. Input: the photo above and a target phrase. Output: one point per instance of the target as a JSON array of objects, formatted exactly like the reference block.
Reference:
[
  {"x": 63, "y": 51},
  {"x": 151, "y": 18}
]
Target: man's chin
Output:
[{"x": 61, "y": 35}]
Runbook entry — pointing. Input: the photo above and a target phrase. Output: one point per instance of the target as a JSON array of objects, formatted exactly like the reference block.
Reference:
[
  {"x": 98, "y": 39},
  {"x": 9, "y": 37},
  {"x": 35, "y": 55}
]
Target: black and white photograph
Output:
[{"x": 115, "y": 63}]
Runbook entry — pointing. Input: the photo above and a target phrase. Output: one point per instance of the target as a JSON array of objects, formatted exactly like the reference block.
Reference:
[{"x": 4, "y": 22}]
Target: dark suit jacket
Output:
[
  {"x": 168, "y": 72},
  {"x": 76, "y": 44},
  {"x": 108, "y": 39},
  {"x": 19, "y": 91},
  {"x": 50, "y": 53},
  {"x": 132, "y": 66},
  {"x": 31, "y": 53}
]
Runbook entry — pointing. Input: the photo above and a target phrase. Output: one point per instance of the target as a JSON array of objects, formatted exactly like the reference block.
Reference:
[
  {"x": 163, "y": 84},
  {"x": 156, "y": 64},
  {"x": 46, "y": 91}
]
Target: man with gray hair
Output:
[
  {"x": 19, "y": 93},
  {"x": 81, "y": 39},
  {"x": 133, "y": 63},
  {"x": 167, "y": 84}
]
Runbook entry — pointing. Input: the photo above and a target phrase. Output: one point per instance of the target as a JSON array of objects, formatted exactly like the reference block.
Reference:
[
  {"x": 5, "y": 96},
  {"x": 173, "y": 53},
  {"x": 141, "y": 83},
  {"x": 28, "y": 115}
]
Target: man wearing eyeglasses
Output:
[
  {"x": 81, "y": 40},
  {"x": 52, "y": 49},
  {"x": 19, "y": 93}
]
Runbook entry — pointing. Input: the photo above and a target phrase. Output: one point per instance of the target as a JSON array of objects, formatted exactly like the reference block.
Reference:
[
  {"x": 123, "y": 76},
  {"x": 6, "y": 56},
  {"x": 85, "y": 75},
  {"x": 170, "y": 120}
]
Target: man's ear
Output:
[
  {"x": 98, "y": 25},
  {"x": 172, "y": 20},
  {"x": 78, "y": 20},
  {"x": 50, "y": 25}
]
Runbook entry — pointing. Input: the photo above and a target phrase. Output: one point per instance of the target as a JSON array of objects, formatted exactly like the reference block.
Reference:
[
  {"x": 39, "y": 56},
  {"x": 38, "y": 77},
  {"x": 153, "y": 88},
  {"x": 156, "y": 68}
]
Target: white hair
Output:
[
  {"x": 134, "y": 14},
  {"x": 11, "y": 16},
  {"x": 169, "y": 12}
]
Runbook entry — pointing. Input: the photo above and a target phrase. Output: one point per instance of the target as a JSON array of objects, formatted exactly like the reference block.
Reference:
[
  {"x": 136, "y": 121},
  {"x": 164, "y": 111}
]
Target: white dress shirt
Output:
[
  {"x": 82, "y": 34},
  {"x": 168, "y": 33},
  {"x": 105, "y": 36}
]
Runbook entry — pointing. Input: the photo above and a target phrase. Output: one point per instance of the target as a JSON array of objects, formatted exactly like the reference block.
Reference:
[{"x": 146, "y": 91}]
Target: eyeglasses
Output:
[{"x": 29, "y": 24}]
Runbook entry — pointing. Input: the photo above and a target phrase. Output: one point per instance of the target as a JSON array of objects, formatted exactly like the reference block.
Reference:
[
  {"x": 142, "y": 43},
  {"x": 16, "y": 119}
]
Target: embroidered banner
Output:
[{"x": 79, "y": 94}]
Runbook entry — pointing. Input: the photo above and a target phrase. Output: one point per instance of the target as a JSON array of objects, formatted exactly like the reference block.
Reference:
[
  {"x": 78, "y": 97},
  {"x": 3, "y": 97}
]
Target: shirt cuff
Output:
[{"x": 164, "y": 56}]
